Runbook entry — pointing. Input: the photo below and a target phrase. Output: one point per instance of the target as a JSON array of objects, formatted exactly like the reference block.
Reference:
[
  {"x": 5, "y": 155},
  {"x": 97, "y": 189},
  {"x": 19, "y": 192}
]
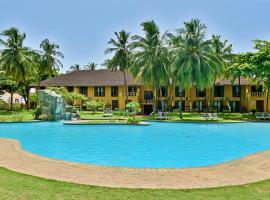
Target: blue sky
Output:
[{"x": 82, "y": 28}]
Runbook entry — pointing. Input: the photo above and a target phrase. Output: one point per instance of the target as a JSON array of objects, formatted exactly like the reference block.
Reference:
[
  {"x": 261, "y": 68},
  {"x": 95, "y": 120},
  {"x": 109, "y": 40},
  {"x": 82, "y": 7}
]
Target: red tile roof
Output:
[{"x": 104, "y": 77}]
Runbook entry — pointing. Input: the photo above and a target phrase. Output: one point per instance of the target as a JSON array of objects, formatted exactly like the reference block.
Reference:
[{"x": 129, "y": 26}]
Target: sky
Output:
[{"x": 82, "y": 28}]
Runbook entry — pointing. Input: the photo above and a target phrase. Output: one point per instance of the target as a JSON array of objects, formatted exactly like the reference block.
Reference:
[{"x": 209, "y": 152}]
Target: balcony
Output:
[
  {"x": 257, "y": 95},
  {"x": 132, "y": 94},
  {"x": 147, "y": 101}
]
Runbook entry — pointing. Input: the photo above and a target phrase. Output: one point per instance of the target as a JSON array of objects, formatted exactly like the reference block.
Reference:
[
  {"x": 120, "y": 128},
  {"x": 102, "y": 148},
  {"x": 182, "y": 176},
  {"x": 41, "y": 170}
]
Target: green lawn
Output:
[
  {"x": 19, "y": 186},
  {"x": 15, "y": 116}
]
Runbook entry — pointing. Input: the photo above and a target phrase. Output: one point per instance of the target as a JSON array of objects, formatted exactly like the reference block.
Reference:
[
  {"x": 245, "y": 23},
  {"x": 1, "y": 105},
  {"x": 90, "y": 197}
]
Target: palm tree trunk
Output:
[
  {"x": 39, "y": 83},
  {"x": 212, "y": 97},
  {"x": 11, "y": 100},
  {"x": 155, "y": 99},
  {"x": 267, "y": 100},
  {"x": 239, "y": 85},
  {"x": 160, "y": 95},
  {"x": 126, "y": 89}
]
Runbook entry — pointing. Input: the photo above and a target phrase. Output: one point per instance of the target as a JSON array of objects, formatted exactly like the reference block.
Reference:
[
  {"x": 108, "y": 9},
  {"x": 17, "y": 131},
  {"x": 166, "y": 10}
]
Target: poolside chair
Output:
[
  {"x": 263, "y": 116},
  {"x": 107, "y": 113},
  {"x": 216, "y": 117},
  {"x": 162, "y": 116},
  {"x": 207, "y": 116}
]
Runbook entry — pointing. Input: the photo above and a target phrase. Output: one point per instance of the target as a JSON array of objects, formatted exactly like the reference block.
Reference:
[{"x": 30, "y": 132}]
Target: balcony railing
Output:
[
  {"x": 148, "y": 101},
  {"x": 257, "y": 94},
  {"x": 132, "y": 94}
]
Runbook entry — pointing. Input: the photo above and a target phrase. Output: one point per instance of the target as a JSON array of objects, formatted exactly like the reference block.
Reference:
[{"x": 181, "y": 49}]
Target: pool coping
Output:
[{"x": 255, "y": 167}]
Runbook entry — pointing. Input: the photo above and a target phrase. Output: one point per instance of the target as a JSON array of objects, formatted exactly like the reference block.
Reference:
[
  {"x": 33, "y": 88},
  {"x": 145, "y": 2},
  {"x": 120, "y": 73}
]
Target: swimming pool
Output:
[{"x": 160, "y": 145}]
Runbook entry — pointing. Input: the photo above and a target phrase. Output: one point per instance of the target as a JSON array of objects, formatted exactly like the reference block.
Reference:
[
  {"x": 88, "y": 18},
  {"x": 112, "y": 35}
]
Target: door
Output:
[
  {"x": 260, "y": 105},
  {"x": 148, "y": 109},
  {"x": 114, "y": 104}
]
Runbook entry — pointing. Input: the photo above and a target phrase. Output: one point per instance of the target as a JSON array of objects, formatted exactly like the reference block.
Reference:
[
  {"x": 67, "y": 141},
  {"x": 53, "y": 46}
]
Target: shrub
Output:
[
  {"x": 134, "y": 120},
  {"x": 93, "y": 105},
  {"x": 37, "y": 112},
  {"x": 17, "y": 117}
]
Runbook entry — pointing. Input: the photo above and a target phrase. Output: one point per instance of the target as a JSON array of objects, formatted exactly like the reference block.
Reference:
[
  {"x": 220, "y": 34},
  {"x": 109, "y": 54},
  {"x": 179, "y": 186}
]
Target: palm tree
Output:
[
  {"x": 121, "y": 59},
  {"x": 17, "y": 60},
  {"x": 194, "y": 63},
  {"x": 151, "y": 60},
  {"x": 91, "y": 66},
  {"x": 75, "y": 67},
  {"x": 223, "y": 52},
  {"x": 49, "y": 62}
]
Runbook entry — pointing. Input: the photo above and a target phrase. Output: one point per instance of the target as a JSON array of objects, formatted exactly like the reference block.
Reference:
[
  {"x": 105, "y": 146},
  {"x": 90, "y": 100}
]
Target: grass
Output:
[
  {"x": 15, "y": 116},
  {"x": 196, "y": 117},
  {"x": 16, "y": 186}
]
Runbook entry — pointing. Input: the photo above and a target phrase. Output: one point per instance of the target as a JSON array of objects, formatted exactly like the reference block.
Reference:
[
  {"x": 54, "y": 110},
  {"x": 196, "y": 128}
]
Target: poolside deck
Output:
[{"x": 253, "y": 168}]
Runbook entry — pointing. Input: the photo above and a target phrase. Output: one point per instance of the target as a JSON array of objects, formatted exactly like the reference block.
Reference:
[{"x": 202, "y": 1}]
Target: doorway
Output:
[
  {"x": 260, "y": 105},
  {"x": 148, "y": 109},
  {"x": 114, "y": 104}
]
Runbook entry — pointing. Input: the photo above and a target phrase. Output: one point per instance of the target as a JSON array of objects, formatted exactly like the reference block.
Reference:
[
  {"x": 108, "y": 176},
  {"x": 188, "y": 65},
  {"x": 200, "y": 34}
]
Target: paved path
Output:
[{"x": 246, "y": 170}]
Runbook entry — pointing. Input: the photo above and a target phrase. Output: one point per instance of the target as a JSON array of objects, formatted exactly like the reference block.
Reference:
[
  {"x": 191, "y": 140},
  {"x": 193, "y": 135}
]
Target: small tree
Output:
[
  {"x": 134, "y": 108},
  {"x": 93, "y": 105}
]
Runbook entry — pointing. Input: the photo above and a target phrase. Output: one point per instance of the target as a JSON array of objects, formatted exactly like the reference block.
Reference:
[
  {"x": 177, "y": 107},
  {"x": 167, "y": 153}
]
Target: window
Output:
[
  {"x": 199, "y": 105},
  {"x": 236, "y": 91},
  {"x": 235, "y": 106},
  {"x": 180, "y": 105},
  {"x": 179, "y": 92},
  {"x": 218, "y": 105},
  {"x": 219, "y": 91},
  {"x": 83, "y": 90},
  {"x": 99, "y": 91},
  {"x": 163, "y": 92},
  {"x": 255, "y": 88},
  {"x": 200, "y": 93},
  {"x": 114, "y": 91},
  {"x": 115, "y": 104},
  {"x": 132, "y": 90},
  {"x": 148, "y": 95},
  {"x": 70, "y": 89}
]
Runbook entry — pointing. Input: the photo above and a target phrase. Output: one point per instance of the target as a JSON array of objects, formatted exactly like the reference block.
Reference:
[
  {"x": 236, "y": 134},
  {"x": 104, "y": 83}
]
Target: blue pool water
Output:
[{"x": 160, "y": 145}]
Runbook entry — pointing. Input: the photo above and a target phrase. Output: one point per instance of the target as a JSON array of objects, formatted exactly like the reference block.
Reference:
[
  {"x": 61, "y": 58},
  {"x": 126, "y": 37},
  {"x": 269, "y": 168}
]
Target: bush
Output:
[
  {"x": 37, "y": 112},
  {"x": 6, "y": 106},
  {"x": 134, "y": 120},
  {"x": 17, "y": 117},
  {"x": 94, "y": 105}
]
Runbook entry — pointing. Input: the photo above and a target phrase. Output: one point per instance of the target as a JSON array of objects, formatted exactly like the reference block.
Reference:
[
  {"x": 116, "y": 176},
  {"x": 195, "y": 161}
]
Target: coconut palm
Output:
[
  {"x": 194, "y": 63},
  {"x": 223, "y": 51},
  {"x": 75, "y": 67},
  {"x": 16, "y": 59},
  {"x": 151, "y": 58},
  {"x": 121, "y": 59},
  {"x": 48, "y": 60},
  {"x": 91, "y": 66}
]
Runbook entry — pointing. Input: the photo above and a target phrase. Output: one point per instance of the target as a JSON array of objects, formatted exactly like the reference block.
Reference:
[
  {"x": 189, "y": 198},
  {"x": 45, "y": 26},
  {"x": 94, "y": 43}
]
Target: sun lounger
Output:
[
  {"x": 162, "y": 116},
  {"x": 263, "y": 116},
  {"x": 211, "y": 116}
]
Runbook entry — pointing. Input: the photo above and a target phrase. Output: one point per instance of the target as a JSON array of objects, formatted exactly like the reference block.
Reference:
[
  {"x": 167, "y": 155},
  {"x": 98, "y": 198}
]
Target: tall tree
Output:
[
  {"x": 17, "y": 60},
  {"x": 121, "y": 59},
  {"x": 8, "y": 85},
  {"x": 91, "y": 66},
  {"x": 151, "y": 59},
  {"x": 75, "y": 67},
  {"x": 240, "y": 66},
  {"x": 49, "y": 62},
  {"x": 195, "y": 63},
  {"x": 223, "y": 51},
  {"x": 260, "y": 62}
]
